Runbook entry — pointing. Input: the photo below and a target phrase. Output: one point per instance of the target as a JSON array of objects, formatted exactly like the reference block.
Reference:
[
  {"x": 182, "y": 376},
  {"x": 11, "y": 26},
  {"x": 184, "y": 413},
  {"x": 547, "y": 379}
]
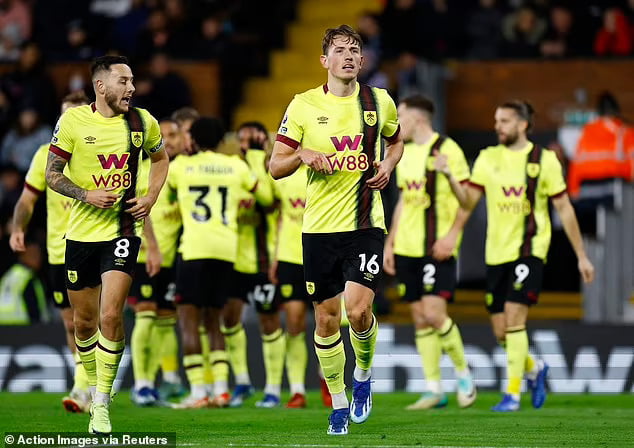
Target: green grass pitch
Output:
[{"x": 565, "y": 421}]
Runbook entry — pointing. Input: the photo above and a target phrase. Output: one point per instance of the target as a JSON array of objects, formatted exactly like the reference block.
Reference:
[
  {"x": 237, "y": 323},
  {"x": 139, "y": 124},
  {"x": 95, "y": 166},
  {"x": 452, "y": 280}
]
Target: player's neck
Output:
[
  {"x": 103, "y": 108},
  {"x": 519, "y": 144},
  {"x": 340, "y": 87},
  {"x": 422, "y": 135}
]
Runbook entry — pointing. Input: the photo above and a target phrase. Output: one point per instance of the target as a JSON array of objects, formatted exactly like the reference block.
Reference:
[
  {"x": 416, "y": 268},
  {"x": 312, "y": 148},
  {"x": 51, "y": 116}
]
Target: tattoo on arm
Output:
[
  {"x": 22, "y": 215},
  {"x": 59, "y": 182}
]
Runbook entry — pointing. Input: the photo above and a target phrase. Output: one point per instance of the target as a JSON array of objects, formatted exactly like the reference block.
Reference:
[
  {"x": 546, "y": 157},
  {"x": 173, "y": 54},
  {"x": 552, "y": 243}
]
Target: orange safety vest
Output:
[{"x": 605, "y": 151}]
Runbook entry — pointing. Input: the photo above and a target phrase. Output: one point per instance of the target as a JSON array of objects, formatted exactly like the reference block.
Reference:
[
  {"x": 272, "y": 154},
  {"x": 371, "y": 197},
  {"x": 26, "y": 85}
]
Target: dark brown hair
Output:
[
  {"x": 78, "y": 97},
  {"x": 344, "y": 31},
  {"x": 103, "y": 63},
  {"x": 523, "y": 109},
  {"x": 419, "y": 102}
]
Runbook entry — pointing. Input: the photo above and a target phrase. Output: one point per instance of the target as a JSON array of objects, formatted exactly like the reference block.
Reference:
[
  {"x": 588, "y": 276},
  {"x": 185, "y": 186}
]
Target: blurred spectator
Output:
[
  {"x": 369, "y": 29},
  {"x": 371, "y": 73},
  {"x": 163, "y": 91},
  {"x": 110, "y": 8},
  {"x": 442, "y": 26},
  {"x": 182, "y": 27},
  {"x": 402, "y": 28},
  {"x": 213, "y": 42},
  {"x": 22, "y": 295},
  {"x": 154, "y": 37},
  {"x": 10, "y": 189},
  {"x": 21, "y": 143},
  {"x": 15, "y": 28},
  {"x": 522, "y": 32},
  {"x": 562, "y": 38},
  {"x": 615, "y": 37},
  {"x": 126, "y": 29},
  {"x": 28, "y": 86},
  {"x": 77, "y": 46},
  {"x": 483, "y": 31}
]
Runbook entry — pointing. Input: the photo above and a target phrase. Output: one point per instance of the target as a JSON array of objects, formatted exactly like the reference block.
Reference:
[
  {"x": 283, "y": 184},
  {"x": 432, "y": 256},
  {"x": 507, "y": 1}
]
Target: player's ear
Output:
[{"x": 324, "y": 61}]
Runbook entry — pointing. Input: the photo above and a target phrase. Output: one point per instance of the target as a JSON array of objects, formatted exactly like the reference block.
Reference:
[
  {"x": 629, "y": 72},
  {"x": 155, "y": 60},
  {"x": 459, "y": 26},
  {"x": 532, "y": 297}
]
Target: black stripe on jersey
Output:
[
  {"x": 365, "y": 194},
  {"x": 126, "y": 220},
  {"x": 431, "y": 217},
  {"x": 530, "y": 224},
  {"x": 261, "y": 243}
]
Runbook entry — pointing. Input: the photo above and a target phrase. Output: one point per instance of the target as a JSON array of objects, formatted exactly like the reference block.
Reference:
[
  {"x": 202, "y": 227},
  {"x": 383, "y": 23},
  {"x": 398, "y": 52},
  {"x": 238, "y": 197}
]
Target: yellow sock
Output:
[
  {"x": 236, "y": 346},
  {"x": 108, "y": 356},
  {"x": 194, "y": 369},
  {"x": 87, "y": 351},
  {"x": 517, "y": 350},
  {"x": 220, "y": 366},
  {"x": 80, "y": 380},
  {"x": 364, "y": 344},
  {"x": 296, "y": 361},
  {"x": 451, "y": 342},
  {"x": 141, "y": 343},
  {"x": 273, "y": 349},
  {"x": 332, "y": 359},
  {"x": 430, "y": 351},
  {"x": 167, "y": 340},
  {"x": 530, "y": 365},
  {"x": 204, "y": 345}
]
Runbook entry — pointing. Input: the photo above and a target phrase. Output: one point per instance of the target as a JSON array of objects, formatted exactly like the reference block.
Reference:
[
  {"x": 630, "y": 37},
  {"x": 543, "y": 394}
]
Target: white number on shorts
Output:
[
  {"x": 264, "y": 293},
  {"x": 429, "y": 271},
  {"x": 521, "y": 272},
  {"x": 372, "y": 265},
  {"x": 122, "y": 248}
]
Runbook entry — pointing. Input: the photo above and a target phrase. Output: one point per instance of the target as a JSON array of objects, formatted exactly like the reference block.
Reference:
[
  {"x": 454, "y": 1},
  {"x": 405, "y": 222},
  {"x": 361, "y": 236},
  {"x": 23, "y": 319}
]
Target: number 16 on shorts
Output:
[{"x": 369, "y": 266}]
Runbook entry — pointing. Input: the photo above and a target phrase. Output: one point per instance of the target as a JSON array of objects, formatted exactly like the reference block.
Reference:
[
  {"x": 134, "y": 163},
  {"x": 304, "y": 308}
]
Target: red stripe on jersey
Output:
[
  {"x": 558, "y": 195},
  {"x": 93, "y": 107},
  {"x": 30, "y": 187},
  {"x": 287, "y": 141},
  {"x": 394, "y": 136},
  {"x": 325, "y": 89},
  {"x": 59, "y": 152},
  {"x": 476, "y": 186},
  {"x": 255, "y": 187}
]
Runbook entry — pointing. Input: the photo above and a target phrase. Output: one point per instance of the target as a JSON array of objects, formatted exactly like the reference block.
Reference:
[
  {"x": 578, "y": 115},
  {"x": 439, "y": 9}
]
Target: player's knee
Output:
[
  {"x": 111, "y": 318},
  {"x": 85, "y": 327},
  {"x": 435, "y": 318},
  {"x": 359, "y": 317},
  {"x": 327, "y": 321},
  {"x": 295, "y": 326}
]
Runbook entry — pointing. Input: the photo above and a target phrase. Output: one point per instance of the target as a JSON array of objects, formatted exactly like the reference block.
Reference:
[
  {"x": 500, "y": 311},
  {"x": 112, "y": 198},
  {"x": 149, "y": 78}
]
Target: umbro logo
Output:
[
  {"x": 322, "y": 120},
  {"x": 90, "y": 140}
]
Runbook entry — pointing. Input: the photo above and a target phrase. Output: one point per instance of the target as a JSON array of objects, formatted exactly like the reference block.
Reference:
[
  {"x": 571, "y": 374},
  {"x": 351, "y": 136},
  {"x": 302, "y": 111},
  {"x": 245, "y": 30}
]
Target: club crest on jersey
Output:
[
  {"x": 532, "y": 169},
  {"x": 137, "y": 138},
  {"x": 286, "y": 290},
  {"x": 58, "y": 297},
  {"x": 310, "y": 288},
  {"x": 146, "y": 291},
  {"x": 72, "y": 276},
  {"x": 369, "y": 116}
]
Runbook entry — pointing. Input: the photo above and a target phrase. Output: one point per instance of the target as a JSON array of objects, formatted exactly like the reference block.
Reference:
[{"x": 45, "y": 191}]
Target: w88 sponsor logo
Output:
[{"x": 351, "y": 162}]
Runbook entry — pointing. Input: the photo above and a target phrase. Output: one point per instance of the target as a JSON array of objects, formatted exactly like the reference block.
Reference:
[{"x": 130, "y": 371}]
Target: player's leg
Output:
[
  {"x": 78, "y": 400},
  {"x": 218, "y": 359},
  {"x": 208, "y": 375},
  {"x": 296, "y": 351},
  {"x": 165, "y": 337},
  {"x": 273, "y": 351},
  {"x": 236, "y": 347}
]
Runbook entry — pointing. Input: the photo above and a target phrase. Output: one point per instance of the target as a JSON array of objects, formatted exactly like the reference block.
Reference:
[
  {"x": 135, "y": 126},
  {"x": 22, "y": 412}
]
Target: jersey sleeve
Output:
[
  {"x": 291, "y": 129},
  {"x": 479, "y": 173},
  {"x": 456, "y": 160},
  {"x": 36, "y": 176},
  {"x": 62, "y": 143},
  {"x": 248, "y": 180},
  {"x": 153, "y": 141},
  {"x": 391, "y": 127},
  {"x": 257, "y": 161},
  {"x": 172, "y": 174},
  {"x": 553, "y": 176}
]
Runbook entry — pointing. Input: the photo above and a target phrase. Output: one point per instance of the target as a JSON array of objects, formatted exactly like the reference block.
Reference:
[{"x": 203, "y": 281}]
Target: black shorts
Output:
[
  {"x": 257, "y": 290},
  {"x": 518, "y": 281},
  {"x": 425, "y": 276},
  {"x": 291, "y": 286},
  {"x": 204, "y": 283},
  {"x": 86, "y": 261},
  {"x": 57, "y": 275},
  {"x": 332, "y": 259},
  {"x": 159, "y": 289}
]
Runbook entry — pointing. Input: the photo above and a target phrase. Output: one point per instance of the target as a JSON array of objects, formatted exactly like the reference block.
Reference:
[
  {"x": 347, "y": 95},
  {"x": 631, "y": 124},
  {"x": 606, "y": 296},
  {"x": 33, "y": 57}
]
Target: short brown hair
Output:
[
  {"x": 419, "y": 102},
  {"x": 523, "y": 109},
  {"x": 345, "y": 31},
  {"x": 77, "y": 97},
  {"x": 185, "y": 113}
]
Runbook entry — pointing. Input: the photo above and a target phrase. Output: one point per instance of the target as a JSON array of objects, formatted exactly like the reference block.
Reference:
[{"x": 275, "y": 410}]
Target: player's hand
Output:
[
  {"x": 153, "y": 262},
  {"x": 381, "y": 176},
  {"x": 273, "y": 272},
  {"x": 316, "y": 160},
  {"x": 586, "y": 269},
  {"x": 141, "y": 207},
  {"x": 102, "y": 198},
  {"x": 389, "y": 266},
  {"x": 17, "y": 241},
  {"x": 441, "y": 162},
  {"x": 443, "y": 248}
]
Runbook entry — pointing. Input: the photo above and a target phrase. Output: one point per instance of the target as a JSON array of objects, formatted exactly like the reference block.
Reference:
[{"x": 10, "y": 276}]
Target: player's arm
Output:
[
  {"x": 441, "y": 164},
  {"x": 571, "y": 226},
  {"x": 56, "y": 179},
  {"x": 154, "y": 257},
  {"x": 384, "y": 168},
  {"x": 388, "y": 253},
  {"x": 141, "y": 207},
  {"x": 22, "y": 214},
  {"x": 285, "y": 160}
]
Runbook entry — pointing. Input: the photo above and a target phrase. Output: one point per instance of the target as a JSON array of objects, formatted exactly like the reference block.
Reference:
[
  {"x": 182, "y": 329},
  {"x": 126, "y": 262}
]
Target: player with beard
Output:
[
  {"x": 101, "y": 143},
  {"x": 519, "y": 178}
]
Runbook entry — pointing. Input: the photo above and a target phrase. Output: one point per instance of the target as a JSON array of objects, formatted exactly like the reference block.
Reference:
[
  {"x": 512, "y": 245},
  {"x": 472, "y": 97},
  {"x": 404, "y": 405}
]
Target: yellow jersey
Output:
[
  {"x": 290, "y": 192},
  {"x": 57, "y": 206},
  {"x": 348, "y": 130},
  {"x": 102, "y": 153},
  {"x": 512, "y": 224},
  {"x": 432, "y": 207}
]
